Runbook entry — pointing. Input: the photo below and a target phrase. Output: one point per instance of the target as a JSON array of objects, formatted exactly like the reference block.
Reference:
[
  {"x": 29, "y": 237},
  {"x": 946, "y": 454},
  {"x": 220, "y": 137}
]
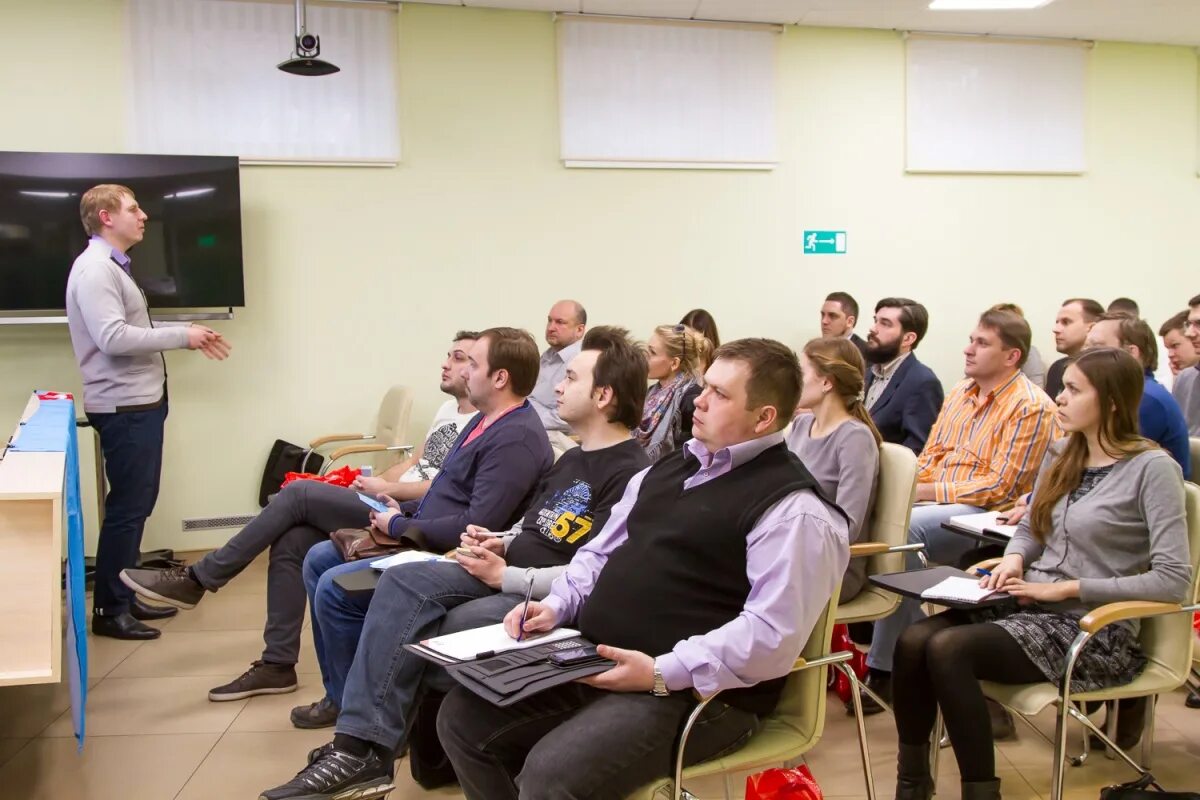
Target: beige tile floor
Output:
[{"x": 153, "y": 734}]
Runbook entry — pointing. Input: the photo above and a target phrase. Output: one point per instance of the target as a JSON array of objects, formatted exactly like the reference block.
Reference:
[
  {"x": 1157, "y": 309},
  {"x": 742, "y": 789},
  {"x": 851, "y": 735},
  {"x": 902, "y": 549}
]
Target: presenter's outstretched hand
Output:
[
  {"x": 540, "y": 618},
  {"x": 209, "y": 342},
  {"x": 634, "y": 671}
]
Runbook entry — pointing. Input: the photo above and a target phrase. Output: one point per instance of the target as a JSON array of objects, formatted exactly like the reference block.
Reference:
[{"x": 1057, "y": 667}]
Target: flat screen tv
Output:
[{"x": 191, "y": 256}]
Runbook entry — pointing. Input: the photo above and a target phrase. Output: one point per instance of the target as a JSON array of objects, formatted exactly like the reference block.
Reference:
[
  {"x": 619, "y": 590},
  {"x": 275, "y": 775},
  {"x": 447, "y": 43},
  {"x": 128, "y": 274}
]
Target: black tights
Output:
[{"x": 939, "y": 661}]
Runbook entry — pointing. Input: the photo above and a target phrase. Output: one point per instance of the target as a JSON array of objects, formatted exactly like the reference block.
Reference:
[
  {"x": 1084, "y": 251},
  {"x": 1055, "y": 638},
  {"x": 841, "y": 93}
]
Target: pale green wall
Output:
[{"x": 355, "y": 278}]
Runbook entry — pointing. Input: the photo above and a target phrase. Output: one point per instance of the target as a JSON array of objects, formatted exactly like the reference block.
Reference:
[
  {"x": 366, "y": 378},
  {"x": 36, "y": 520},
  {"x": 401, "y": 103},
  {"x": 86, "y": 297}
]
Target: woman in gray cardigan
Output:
[
  {"x": 837, "y": 441},
  {"x": 1106, "y": 524}
]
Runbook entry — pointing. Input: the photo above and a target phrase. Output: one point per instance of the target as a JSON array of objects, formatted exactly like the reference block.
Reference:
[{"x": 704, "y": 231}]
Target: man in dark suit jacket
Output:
[
  {"x": 839, "y": 315},
  {"x": 903, "y": 395}
]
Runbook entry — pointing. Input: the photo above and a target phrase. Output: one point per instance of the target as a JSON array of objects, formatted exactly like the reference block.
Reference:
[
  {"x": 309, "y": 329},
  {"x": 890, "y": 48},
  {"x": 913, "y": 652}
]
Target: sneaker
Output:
[
  {"x": 261, "y": 678},
  {"x": 320, "y": 714},
  {"x": 174, "y": 586},
  {"x": 337, "y": 775}
]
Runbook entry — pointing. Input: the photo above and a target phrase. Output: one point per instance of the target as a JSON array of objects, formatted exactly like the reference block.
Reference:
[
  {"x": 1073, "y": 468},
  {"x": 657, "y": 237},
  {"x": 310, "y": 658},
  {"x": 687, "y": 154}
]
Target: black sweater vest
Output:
[{"x": 682, "y": 571}]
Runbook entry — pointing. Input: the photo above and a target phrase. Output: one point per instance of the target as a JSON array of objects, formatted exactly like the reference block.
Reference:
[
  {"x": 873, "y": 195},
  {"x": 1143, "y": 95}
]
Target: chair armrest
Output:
[
  {"x": 864, "y": 549},
  {"x": 339, "y": 437},
  {"x": 987, "y": 563},
  {"x": 1109, "y": 613},
  {"x": 351, "y": 449}
]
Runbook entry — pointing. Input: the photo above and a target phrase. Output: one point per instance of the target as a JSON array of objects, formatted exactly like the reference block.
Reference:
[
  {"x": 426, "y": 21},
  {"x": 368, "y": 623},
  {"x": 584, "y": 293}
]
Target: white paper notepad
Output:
[
  {"x": 984, "y": 523},
  {"x": 489, "y": 640},
  {"x": 961, "y": 590},
  {"x": 405, "y": 557}
]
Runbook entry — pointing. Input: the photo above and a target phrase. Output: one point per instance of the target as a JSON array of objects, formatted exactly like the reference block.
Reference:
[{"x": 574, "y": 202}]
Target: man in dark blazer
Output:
[
  {"x": 839, "y": 315},
  {"x": 903, "y": 395}
]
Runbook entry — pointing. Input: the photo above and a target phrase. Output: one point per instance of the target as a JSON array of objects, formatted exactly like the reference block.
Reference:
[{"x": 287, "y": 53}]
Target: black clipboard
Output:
[{"x": 913, "y": 582}]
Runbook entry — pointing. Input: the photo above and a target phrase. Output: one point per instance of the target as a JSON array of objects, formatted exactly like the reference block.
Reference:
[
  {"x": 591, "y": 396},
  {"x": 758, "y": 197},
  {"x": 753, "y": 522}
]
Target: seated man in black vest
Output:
[{"x": 709, "y": 575}]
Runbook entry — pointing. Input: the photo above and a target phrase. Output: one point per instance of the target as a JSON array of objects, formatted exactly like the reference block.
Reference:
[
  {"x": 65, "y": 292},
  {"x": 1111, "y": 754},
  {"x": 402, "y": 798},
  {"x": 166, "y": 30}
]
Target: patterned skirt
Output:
[{"x": 1112, "y": 657}]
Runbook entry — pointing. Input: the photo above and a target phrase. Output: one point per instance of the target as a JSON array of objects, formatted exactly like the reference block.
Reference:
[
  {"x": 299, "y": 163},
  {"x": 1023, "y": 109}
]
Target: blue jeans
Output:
[
  {"x": 384, "y": 680},
  {"x": 132, "y": 443},
  {"x": 342, "y": 626},
  {"x": 941, "y": 547}
]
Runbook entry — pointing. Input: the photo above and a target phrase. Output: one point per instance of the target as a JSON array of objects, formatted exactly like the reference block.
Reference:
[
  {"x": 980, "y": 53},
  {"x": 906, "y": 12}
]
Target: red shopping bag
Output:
[
  {"x": 841, "y": 642},
  {"x": 343, "y": 476},
  {"x": 797, "y": 783}
]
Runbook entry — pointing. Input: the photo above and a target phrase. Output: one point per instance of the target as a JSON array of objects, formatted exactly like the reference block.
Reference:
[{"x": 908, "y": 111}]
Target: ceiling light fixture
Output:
[
  {"x": 987, "y": 5},
  {"x": 304, "y": 59}
]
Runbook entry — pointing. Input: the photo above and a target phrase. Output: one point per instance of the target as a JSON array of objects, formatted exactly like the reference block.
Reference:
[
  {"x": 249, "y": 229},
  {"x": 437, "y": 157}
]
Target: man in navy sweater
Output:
[
  {"x": 487, "y": 479},
  {"x": 1159, "y": 416}
]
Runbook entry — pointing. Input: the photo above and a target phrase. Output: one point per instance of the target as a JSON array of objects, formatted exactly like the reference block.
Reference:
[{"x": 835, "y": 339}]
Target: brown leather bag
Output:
[{"x": 370, "y": 542}]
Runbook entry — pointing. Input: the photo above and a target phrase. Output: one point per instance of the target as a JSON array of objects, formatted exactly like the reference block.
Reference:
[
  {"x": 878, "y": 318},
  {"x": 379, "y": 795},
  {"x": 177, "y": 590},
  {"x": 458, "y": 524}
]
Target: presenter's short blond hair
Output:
[{"x": 105, "y": 197}]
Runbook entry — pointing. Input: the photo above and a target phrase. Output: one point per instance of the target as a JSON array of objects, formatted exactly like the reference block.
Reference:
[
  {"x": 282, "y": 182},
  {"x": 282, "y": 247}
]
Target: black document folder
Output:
[
  {"x": 916, "y": 581},
  {"x": 513, "y": 675}
]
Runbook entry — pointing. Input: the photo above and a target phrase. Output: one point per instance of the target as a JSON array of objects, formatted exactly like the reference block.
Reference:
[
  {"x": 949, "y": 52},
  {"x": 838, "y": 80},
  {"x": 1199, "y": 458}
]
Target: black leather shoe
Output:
[
  {"x": 1193, "y": 700},
  {"x": 879, "y": 684},
  {"x": 122, "y": 626},
  {"x": 142, "y": 611}
]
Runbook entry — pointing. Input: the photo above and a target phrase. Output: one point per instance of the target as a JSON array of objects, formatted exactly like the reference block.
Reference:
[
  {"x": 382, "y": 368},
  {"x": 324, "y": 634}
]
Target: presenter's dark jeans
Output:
[
  {"x": 302, "y": 515},
  {"x": 132, "y": 444},
  {"x": 574, "y": 742}
]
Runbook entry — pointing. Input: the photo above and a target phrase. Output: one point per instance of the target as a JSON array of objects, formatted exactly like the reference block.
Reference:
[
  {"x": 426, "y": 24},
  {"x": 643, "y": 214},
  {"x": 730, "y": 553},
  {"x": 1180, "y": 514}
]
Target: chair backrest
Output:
[
  {"x": 391, "y": 426},
  {"x": 893, "y": 506},
  {"x": 1168, "y": 640},
  {"x": 802, "y": 704},
  {"x": 1194, "y": 449}
]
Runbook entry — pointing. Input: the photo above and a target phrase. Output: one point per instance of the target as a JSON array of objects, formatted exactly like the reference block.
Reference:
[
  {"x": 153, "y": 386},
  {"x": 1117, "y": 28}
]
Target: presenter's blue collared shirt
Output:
[
  {"x": 119, "y": 258},
  {"x": 1161, "y": 420}
]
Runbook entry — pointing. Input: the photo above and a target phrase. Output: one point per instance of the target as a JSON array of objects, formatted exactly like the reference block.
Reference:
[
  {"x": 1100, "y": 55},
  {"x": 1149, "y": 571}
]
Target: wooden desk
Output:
[{"x": 31, "y": 553}]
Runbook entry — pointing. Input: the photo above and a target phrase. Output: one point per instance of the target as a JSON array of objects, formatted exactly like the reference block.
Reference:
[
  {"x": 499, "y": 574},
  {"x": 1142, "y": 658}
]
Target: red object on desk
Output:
[
  {"x": 55, "y": 396},
  {"x": 338, "y": 477}
]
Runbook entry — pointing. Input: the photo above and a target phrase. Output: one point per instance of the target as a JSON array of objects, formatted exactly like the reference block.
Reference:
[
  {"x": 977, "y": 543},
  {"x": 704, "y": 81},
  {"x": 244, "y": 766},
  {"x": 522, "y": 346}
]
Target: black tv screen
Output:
[{"x": 191, "y": 256}]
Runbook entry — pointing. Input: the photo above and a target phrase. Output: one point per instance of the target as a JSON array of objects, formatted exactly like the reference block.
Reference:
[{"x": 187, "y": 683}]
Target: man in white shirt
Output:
[{"x": 566, "y": 323}]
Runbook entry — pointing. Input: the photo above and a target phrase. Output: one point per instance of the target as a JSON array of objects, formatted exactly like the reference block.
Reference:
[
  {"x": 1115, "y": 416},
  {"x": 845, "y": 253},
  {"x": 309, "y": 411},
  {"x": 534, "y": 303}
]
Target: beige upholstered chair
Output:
[
  {"x": 789, "y": 732},
  {"x": 886, "y": 539},
  {"x": 1166, "y": 638},
  {"x": 1194, "y": 450},
  {"x": 391, "y": 428}
]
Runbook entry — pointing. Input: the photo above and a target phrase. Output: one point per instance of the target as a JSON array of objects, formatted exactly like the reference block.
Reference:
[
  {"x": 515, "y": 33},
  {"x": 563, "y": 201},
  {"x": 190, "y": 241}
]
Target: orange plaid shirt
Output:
[{"x": 985, "y": 451}]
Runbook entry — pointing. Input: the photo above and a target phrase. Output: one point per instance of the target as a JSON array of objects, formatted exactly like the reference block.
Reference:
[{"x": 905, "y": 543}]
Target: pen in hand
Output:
[{"x": 525, "y": 610}]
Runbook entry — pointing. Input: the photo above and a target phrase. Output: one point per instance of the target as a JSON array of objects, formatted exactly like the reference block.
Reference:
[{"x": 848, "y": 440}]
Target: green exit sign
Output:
[{"x": 824, "y": 242}]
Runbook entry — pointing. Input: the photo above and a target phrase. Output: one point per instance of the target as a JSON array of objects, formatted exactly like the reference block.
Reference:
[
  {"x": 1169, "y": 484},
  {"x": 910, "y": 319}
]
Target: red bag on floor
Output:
[
  {"x": 797, "y": 783},
  {"x": 841, "y": 642},
  {"x": 338, "y": 477}
]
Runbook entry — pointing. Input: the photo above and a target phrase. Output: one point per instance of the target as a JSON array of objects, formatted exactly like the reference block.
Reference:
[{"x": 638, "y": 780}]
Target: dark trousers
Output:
[
  {"x": 132, "y": 444},
  {"x": 574, "y": 742},
  {"x": 302, "y": 515}
]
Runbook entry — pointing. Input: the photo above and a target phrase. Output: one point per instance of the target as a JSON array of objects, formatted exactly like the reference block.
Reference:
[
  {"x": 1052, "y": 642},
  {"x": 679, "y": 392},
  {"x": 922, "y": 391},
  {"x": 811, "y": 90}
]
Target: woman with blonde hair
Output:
[
  {"x": 675, "y": 355},
  {"x": 836, "y": 439},
  {"x": 1106, "y": 524}
]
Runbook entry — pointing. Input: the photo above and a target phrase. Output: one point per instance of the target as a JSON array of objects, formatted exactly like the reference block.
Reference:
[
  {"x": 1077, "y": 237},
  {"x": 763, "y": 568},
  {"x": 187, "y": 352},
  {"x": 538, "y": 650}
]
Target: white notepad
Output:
[
  {"x": 984, "y": 523},
  {"x": 961, "y": 590},
  {"x": 405, "y": 557},
  {"x": 489, "y": 640}
]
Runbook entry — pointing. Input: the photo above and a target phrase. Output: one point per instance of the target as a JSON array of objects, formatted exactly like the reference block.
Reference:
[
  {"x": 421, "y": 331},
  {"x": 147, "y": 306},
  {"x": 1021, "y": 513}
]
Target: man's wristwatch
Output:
[{"x": 660, "y": 685}]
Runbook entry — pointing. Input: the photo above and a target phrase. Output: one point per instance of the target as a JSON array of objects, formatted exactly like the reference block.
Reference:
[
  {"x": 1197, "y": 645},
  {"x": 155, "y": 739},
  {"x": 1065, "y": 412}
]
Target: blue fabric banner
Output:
[{"x": 51, "y": 429}]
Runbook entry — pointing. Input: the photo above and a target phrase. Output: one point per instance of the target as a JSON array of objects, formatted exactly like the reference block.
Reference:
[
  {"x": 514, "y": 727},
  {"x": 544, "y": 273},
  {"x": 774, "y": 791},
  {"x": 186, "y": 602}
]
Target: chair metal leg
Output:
[
  {"x": 1108, "y": 742},
  {"x": 860, "y": 721},
  {"x": 1148, "y": 731},
  {"x": 1060, "y": 751}
]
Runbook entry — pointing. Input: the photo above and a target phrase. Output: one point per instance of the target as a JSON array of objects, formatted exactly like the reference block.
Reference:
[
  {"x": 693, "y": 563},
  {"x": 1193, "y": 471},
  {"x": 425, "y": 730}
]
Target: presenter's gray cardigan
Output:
[{"x": 115, "y": 344}]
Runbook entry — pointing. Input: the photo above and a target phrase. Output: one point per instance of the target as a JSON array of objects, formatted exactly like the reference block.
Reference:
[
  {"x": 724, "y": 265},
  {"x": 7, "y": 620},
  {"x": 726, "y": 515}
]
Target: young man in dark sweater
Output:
[
  {"x": 709, "y": 575},
  {"x": 366, "y": 669},
  {"x": 488, "y": 477}
]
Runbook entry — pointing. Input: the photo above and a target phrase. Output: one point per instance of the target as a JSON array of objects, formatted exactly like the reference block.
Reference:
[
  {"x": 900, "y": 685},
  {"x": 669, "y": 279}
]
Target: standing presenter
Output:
[{"x": 119, "y": 351}]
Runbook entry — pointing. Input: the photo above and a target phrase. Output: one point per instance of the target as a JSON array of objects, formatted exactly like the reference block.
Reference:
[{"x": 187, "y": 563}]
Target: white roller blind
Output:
[
  {"x": 975, "y": 105},
  {"x": 661, "y": 94},
  {"x": 204, "y": 82}
]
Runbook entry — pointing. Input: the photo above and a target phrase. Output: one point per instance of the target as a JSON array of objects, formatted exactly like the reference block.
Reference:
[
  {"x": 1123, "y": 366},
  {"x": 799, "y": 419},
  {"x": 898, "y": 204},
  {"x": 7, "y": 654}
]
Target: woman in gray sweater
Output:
[
  {"x": 1106, "y": 524},
  {"x": 834, "y": 436}
]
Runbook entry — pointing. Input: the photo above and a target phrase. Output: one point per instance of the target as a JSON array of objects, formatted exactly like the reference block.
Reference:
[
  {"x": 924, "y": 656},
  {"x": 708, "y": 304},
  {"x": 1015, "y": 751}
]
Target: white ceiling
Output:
[{"x": 1158, "y": 21}]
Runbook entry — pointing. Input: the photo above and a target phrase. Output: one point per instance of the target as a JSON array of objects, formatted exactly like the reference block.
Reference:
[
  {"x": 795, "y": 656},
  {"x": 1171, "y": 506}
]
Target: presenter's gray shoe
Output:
[
  {"x": 174, "y": 586},
  {"x": 337, "y": 775},
  {"x": 262, "y": 678}
]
